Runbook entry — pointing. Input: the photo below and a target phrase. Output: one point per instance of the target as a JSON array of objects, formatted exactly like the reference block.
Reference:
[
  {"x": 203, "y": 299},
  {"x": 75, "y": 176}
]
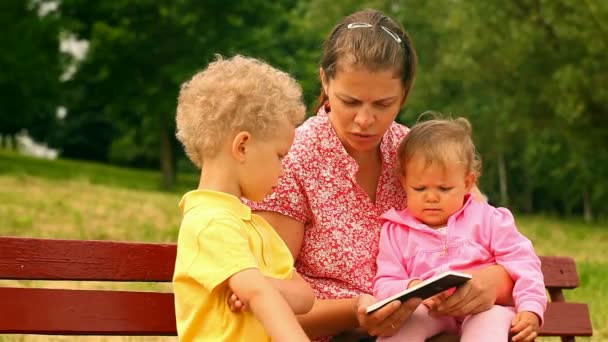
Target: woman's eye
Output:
[
  {"x": 383, "y": 105},
  {"x": 350, "y": 103}
]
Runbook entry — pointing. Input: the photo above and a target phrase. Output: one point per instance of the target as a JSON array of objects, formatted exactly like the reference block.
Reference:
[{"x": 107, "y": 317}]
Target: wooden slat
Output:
[
  {"x": 559, "y": 272},
  {"x": 567, "y": 319},
  {"x": 54, "y": 259},
  {"x": 86, "y": 312}
]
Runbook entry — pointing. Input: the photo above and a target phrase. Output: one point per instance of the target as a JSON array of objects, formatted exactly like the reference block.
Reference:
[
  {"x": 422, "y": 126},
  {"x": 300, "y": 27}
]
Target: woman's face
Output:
[{"x": 363, "y": 105}]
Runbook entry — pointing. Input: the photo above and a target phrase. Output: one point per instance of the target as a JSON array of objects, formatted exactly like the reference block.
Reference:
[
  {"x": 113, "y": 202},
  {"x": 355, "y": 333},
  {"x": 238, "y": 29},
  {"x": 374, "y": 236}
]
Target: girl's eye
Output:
[
  {"x": 420, "y": 188},
  {"x": 442, "y": 188}
]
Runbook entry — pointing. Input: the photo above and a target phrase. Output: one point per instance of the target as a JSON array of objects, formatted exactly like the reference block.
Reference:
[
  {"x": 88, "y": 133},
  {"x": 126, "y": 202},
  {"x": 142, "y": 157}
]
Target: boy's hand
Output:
[
  {"x": 235, "y": 304},
  {"x": 525, "y": 326}
]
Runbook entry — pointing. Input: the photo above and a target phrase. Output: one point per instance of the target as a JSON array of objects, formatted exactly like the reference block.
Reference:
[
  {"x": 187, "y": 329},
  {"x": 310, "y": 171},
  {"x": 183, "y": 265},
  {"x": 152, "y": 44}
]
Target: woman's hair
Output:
[
  {"x": 440, "y": 140},
  {"x": 370, "y": 39},
  {"x": 233, "y": 95}
]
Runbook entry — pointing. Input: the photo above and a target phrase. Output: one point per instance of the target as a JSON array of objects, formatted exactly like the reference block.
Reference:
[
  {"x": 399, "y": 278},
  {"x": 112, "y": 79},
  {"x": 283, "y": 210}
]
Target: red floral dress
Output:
[{"x": 342, "y": 226}]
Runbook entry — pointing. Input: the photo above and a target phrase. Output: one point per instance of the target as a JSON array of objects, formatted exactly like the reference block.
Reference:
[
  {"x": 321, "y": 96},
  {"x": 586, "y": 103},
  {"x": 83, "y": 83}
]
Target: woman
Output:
[{"x": 340, "y": 176}]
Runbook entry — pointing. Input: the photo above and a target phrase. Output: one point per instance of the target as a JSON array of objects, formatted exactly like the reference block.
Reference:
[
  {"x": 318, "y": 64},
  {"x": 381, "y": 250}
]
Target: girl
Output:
[{"x": 444, "y": 228}]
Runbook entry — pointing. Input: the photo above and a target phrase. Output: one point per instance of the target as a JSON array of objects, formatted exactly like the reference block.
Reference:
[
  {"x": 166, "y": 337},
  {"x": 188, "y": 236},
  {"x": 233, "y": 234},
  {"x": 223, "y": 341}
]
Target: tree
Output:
[
  {"x": 31, "y": 67},
  {"x": 142, "y": 50}
]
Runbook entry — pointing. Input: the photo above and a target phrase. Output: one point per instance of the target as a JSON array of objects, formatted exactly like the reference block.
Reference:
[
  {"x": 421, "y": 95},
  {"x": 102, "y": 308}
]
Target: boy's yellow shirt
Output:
[{"x": 218, "y": 237}]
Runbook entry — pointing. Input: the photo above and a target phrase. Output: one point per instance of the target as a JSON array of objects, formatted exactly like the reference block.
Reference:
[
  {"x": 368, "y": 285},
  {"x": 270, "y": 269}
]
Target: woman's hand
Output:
[{"x": 387, "y": 320}]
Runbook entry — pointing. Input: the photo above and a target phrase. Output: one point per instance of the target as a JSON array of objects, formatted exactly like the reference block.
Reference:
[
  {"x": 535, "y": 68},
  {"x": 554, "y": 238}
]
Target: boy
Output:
[{"x": 236, "y": 121}]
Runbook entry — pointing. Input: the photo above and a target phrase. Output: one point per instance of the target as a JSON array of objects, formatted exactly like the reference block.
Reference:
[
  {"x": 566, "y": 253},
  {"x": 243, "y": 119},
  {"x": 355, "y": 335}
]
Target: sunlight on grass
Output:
[
  {"x": 79, "y": 210},
  {"x": 586, "y": 244}
]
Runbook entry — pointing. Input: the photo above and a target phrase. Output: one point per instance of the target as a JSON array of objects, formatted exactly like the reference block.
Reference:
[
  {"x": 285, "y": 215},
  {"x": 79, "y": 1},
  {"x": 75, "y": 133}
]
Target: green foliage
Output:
[
  {"x": 529, "y": 74},
  {"x": 30, "y": 65}
]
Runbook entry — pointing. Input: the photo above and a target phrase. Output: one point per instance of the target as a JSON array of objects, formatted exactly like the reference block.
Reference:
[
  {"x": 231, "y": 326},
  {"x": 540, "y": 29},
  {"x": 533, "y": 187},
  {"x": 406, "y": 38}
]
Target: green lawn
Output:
[{"x": 71, "y": 199}]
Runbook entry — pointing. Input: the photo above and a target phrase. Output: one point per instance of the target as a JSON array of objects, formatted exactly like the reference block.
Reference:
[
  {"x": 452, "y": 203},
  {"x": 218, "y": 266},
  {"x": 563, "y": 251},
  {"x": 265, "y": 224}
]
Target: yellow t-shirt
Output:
[{"x": 218, "y": 237}]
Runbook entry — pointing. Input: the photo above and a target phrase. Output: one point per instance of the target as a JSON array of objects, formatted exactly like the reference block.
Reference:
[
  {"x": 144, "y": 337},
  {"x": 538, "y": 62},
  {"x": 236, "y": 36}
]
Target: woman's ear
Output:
[
  {"x": 239, "y": 146},
  {"x": 403, "y": 97},
  {"x": 323, "y": 81}
]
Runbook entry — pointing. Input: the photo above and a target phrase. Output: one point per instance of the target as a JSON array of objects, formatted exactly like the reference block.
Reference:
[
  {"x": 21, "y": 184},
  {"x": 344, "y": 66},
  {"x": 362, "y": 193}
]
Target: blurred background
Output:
[{"x": 88, "y": 94}]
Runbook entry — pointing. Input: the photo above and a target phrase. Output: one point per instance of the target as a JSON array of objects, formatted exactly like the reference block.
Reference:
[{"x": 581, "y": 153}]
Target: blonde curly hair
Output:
[{"x": 230, "y": 96}]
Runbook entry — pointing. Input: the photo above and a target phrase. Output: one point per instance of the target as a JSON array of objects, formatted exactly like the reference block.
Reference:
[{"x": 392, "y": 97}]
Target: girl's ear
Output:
[
  {"x": 239, "y": 146},
  {"x": 470, "y": 180}
]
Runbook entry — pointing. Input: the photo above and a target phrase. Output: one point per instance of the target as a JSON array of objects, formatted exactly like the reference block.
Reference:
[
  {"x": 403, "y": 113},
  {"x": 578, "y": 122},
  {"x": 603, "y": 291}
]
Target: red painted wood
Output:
[
  {"x": 85, "y": 312},
  {"x": 559, "y": 272},
  {"x": 53, "y": 259},
  {"x": 94, "y": 312},
  {"x": 567, "y": 319}
]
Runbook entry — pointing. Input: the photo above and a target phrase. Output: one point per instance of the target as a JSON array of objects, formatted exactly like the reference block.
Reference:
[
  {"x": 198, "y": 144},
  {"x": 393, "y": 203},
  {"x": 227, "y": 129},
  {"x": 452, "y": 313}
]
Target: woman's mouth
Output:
[{"x": 363, "y": 136}]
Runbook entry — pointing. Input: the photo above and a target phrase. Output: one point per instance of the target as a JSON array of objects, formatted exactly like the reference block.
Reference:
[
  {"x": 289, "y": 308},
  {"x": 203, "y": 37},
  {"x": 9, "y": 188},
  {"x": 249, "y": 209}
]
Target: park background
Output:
[{"x": 94, "y": 84}]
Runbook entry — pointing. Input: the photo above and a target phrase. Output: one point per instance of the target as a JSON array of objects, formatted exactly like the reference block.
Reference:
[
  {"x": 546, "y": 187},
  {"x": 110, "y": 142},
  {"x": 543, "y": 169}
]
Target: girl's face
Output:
[
  {"x": 435, "y": 192},
  {"x": 363, "y": 105}
]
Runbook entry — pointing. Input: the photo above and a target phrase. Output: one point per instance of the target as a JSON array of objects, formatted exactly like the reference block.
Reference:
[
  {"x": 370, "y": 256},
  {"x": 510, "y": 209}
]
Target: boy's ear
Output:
[
  {"x": 239, "y": 146},
  {"x": 470, "y": 180}
]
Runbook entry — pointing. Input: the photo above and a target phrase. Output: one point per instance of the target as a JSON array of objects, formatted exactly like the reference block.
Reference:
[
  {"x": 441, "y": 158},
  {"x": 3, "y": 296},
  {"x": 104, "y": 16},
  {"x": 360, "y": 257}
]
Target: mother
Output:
[{"x": 340, "y": 176}]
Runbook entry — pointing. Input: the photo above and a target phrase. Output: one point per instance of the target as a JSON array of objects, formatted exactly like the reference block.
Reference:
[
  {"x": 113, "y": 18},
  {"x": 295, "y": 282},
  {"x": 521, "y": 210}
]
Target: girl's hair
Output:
[
  {"x": 440, "y": 140},
  {"x": 232, "y": 95},
  {"x": 370, "y": 39}
]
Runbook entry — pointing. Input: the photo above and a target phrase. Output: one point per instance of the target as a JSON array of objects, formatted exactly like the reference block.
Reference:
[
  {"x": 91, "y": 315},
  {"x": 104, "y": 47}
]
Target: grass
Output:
[{"x": 78, "y": 200}]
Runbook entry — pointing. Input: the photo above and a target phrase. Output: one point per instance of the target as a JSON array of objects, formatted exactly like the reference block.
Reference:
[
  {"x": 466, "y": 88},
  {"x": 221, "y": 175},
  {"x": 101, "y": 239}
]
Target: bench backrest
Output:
[
  {"x": 103, "y": 312},
  {"x": 85, "y": 312}
]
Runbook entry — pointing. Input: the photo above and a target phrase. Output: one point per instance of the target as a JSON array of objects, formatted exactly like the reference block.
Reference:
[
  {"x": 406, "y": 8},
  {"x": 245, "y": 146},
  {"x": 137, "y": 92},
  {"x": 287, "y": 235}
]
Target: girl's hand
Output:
[
  {"x": 235, "y": 304},
  {"x": 525, "y": 326},
  {"x": 387, "y": 320},
  {"x": 433, "y": 302}
]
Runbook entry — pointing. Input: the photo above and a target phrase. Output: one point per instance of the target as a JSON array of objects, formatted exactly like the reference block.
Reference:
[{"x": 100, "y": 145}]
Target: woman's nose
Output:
[{"x": 364, "y": 118}]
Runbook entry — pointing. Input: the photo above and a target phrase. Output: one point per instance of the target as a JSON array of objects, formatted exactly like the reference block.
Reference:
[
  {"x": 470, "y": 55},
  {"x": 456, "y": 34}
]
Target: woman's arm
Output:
[
  {"x": 289, "y": 229},
  {"x": 330, "y": 317},
  {"x": 296, "y": 292}
]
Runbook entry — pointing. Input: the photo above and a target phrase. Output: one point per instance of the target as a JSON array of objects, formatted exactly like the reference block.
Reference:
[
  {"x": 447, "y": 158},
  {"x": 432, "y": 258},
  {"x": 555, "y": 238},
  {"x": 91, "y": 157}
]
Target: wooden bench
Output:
[{"x": 49, "y": 311}]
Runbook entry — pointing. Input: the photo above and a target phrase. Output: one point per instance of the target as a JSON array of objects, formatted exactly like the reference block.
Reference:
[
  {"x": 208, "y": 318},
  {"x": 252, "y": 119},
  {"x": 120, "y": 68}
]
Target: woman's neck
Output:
[{"x": 364, "y": 158}]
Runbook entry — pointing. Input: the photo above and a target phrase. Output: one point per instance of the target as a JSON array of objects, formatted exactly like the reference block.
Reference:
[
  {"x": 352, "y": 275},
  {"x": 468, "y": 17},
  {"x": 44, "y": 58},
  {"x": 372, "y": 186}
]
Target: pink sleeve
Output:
[
  {"x": 516, "y": 254},
  {"x": 391, "y": 277},
  {"x": 290, "y": 196}
]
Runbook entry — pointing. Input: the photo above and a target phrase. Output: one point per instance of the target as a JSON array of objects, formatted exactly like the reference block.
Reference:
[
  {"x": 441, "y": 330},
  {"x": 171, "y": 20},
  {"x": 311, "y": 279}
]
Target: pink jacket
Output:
[{"x": 477, "y": 235}]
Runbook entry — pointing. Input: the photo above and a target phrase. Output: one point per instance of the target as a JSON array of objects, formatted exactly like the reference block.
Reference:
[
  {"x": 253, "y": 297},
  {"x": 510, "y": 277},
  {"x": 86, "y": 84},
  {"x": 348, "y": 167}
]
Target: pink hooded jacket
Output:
[{"x": 478, "y": 235}]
